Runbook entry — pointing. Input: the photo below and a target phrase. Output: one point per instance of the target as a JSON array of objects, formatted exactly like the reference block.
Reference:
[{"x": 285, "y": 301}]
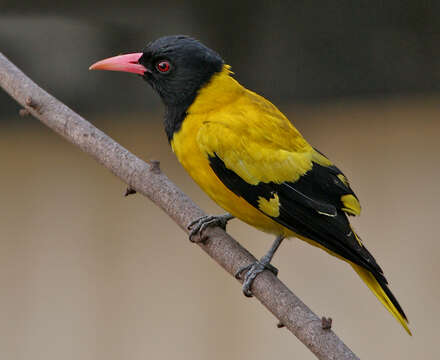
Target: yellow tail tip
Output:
[
  {"x": 377, "y": 290},
  {"x": 405, "y": 325}
]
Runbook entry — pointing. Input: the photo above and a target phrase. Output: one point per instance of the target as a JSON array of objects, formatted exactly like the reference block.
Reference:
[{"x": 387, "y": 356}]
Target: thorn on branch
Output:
[
  {"x": 280, "y": 325},
  {"x": 326, "y": 323},
  {"x": 30, "y": 102},
  {"x": 129, "y": 191},
  {"x": 155, "y": 166},
  {"x": 23, "y": 112}
]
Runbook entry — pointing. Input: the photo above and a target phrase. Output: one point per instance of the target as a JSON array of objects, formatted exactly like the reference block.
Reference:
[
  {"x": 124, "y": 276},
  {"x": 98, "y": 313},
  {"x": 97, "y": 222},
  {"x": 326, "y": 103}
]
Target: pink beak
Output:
[{"x": 126, "y": 63}]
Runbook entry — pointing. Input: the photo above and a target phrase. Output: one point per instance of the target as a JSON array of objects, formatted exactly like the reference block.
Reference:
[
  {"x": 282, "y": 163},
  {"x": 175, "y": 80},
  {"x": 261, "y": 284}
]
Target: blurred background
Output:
[{"x": 88, "y": 274}]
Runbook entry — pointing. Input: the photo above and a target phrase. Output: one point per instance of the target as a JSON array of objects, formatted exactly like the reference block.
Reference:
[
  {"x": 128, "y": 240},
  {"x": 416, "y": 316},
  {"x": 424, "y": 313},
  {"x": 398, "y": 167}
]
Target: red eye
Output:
[{"x": 163, "y": 66}]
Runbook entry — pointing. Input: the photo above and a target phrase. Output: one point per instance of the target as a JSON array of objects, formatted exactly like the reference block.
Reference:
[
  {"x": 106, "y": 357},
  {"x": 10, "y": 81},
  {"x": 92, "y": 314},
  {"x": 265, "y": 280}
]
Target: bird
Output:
[{"x": 251, "y": 160}]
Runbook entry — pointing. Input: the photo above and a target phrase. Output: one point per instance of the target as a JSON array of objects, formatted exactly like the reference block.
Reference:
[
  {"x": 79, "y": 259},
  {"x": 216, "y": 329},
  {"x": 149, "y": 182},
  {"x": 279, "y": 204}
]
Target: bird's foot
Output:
[
  {"x": 199, "y": 226},
  {"x": 252, "y": 270}
]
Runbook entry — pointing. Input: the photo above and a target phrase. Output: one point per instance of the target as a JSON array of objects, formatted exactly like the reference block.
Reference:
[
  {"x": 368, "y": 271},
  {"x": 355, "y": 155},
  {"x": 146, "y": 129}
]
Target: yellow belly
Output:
[{"x": 197, "y": 165}]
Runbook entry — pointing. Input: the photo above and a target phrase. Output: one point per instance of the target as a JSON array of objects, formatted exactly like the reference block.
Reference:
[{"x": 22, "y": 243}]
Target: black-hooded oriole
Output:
[{"x": 250, "y": 159}]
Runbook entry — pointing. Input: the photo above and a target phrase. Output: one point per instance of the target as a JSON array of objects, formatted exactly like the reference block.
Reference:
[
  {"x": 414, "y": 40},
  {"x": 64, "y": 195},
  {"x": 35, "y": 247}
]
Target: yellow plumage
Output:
[
  {"x": 377, "y": 290},
  {"x": 260, "y": 145},
  {"x": 248, "y": 157},
  {"x": 224, "y": 99}
]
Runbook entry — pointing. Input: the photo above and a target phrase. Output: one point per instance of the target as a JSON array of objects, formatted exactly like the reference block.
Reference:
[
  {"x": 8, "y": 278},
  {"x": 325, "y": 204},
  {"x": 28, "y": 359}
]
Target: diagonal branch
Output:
[{"x": 151, "y": 182}]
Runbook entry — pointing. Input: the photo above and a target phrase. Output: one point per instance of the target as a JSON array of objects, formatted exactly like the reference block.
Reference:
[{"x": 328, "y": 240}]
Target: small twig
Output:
[
  {"x": 147, "y": 180},
  {"x": 129, "y": 191},
  {"x": 155, "y": 166},
  {"x": 326, "y": 323},
  {"x": 30, "y": 102},
  {"x": 23, "y": 112},
  {"x": 280, "y": 325}
]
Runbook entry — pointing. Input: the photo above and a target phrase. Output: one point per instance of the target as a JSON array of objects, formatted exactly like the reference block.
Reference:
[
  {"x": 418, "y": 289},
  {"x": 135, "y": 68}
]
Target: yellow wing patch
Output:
[
  {"x": 351, "y": 204},
  {"x": 270, "y": 207},
  {"x": 343, "y": 179}
]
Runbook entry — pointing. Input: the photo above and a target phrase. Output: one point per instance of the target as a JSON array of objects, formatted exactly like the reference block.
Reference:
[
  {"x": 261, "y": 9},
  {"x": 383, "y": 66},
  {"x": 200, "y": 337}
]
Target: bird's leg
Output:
[
  {"x": 199, "y": 225},
  {"x": 257, "y": 267}
]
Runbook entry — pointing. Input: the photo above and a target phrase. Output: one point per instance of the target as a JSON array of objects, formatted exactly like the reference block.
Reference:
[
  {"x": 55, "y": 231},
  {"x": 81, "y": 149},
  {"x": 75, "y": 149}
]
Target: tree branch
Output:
[{"x": 151, "y": 182}]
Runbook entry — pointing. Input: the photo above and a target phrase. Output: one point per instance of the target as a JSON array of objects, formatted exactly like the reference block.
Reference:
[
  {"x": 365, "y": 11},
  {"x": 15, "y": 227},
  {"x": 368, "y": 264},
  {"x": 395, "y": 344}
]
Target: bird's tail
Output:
[{"x": 384, "y": 294}]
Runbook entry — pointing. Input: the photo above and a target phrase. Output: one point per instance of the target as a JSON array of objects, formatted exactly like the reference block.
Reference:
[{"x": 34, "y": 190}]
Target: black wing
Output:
[{"x": 310, "y": 206}]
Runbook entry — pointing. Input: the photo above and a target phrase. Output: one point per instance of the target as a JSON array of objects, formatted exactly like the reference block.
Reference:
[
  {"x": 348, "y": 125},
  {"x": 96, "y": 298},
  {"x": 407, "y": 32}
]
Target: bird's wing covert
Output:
[{"x": 297, "y": 187}]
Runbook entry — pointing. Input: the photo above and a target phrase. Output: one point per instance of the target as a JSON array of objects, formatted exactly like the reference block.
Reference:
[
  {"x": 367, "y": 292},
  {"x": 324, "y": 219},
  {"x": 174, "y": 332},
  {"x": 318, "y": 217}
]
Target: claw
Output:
[
  {"x": 200, "y": 225},
  {"x": 252, "y": 270},
  {"x": 192, "y": 223}
]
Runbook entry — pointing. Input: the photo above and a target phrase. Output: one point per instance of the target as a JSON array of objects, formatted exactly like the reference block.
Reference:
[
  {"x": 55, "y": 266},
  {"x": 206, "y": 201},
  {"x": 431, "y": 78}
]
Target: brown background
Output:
[{"x": 88, "y": 274}]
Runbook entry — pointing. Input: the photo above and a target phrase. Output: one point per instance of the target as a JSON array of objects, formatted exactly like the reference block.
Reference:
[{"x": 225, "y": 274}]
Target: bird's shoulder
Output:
[
  {"x": 256, "y": 151},
  {"x": 251, "y": 120}
]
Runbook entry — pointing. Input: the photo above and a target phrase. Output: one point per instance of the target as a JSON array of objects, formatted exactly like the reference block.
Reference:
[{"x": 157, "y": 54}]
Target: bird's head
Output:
[{"x": 175, "y": 66}]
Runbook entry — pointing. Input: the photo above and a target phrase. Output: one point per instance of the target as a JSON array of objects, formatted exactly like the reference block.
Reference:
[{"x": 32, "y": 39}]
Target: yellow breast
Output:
[{"x": 185, "y": 146}]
